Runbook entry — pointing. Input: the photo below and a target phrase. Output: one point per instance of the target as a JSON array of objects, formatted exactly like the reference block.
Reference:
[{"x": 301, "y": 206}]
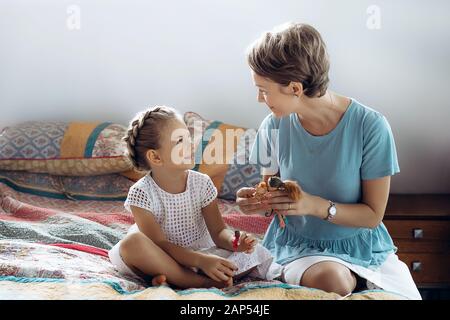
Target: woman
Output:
[{"x": 341, "y": 153}]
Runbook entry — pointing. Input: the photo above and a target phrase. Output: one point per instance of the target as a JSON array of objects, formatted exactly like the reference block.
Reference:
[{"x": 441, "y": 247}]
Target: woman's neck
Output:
[
  {"x": 321, "y": 115},
  {"x": 171, "y": 182}
]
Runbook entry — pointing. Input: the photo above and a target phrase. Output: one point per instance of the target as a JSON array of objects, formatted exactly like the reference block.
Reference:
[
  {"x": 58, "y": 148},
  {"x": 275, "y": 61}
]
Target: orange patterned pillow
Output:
[{"x": 60, "y": 148}]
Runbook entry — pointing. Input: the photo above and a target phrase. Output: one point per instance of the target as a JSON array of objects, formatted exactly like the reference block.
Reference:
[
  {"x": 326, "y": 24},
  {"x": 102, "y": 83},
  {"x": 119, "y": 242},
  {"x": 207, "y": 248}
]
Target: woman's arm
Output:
[
  {"x": 149, "y": 226},
  {"x": 367, "y": 214}
]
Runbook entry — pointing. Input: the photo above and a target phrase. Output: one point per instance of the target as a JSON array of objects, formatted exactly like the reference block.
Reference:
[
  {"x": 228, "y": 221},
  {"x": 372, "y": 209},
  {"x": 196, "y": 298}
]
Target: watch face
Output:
[{"x": 332, "y": 210}]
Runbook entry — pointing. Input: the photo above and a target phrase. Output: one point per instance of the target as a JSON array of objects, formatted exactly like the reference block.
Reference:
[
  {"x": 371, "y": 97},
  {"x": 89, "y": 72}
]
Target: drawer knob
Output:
[
  {"x": 416, "y": 266},
  {"x": 417, "y": 233}
]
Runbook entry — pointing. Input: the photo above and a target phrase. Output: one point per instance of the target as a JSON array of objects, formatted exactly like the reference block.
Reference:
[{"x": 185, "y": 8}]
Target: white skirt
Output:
[{"x": 393, "y": 275}]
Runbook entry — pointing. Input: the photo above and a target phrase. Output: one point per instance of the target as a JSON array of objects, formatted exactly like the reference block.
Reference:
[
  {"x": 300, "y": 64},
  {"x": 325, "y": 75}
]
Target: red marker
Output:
[{"x": 237, "y": 234}]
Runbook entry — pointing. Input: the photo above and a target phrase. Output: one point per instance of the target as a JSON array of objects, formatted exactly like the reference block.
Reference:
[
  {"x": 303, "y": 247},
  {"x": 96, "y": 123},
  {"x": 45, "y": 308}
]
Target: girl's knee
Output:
[
  {"x": 132, "y": 243},
  {"x": 131, "y": 248}
]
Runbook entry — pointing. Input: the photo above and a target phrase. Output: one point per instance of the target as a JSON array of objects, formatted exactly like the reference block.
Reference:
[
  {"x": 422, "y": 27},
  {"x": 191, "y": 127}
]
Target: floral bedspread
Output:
[{"x": 57, "y": 249}]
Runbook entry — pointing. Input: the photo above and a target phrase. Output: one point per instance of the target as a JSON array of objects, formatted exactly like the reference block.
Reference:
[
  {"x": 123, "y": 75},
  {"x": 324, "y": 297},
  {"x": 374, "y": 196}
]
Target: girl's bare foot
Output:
[{"x": 159, "y": 280}]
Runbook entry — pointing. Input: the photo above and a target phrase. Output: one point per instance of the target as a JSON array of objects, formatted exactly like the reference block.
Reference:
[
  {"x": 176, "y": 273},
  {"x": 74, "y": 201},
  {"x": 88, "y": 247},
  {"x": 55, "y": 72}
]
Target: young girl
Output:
[{"x": 179, "y": 235}]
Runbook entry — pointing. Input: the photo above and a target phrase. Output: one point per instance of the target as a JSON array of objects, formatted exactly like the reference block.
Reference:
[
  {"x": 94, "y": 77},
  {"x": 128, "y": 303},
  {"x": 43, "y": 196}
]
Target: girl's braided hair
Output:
[{"x": 144, "y": 133}]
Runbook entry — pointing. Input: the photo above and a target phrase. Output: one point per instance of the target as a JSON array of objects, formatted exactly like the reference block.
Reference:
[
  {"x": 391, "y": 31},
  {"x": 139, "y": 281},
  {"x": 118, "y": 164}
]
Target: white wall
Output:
[{"x": 131, "y": 54}]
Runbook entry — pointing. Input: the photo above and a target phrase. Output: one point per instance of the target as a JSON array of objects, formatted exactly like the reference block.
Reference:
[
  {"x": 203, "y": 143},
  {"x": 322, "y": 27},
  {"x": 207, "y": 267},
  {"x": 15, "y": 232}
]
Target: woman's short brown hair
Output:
[{"x": 292, "y": 52}]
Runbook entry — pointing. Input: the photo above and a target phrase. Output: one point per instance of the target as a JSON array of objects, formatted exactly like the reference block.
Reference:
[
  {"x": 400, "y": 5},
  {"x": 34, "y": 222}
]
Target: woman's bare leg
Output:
[
  {"x": 142, "y": 255},
  {"x": 329, "y": 276}
]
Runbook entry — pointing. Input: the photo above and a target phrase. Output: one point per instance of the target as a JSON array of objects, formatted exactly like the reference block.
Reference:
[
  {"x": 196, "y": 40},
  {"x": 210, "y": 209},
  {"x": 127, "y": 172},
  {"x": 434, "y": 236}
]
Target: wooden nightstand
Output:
[{"x": 420, "y": 227}]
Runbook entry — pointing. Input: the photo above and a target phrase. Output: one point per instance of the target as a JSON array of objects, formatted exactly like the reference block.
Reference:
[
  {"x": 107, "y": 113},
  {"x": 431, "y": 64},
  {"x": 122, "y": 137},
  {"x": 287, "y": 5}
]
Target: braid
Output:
[
  {"x": 130, "y": 140},
  {"x": 140, "y": 138}
]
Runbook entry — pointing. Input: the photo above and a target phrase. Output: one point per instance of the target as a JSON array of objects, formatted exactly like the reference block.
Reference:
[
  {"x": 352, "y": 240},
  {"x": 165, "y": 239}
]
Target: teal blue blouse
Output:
[{"x": 332, "y": 166}]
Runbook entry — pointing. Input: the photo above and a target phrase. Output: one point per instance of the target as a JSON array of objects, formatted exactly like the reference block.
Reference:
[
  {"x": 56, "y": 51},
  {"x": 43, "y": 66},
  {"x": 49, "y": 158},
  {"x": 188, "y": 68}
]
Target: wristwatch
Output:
[{"x": 331, "y": 211}]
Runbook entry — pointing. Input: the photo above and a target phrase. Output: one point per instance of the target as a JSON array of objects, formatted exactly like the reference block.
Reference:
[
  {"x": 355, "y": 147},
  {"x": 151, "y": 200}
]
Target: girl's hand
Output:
[
  {"x": 217, "y": 268},
  {"x": 280, "y": 202},
  {"x": 247, "y": 243},
  {"x": 248, "y": 204}
]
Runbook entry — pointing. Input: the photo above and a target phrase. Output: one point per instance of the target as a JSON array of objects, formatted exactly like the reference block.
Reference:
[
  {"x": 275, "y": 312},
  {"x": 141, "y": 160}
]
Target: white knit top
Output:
[{"x": 179, "y": 215}]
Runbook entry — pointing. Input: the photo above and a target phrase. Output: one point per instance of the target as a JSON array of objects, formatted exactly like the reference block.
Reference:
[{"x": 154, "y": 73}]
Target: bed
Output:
[
  {"x": 54, "y": 248},
  {"x": 62, "y": 188}
]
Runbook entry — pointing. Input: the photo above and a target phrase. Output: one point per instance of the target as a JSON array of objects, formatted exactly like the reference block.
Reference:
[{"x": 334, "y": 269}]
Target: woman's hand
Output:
[
  {"x": 248, "y": 204},
  {"x": 247, "y": 243},
  {"x": 280, "y": 202},
  {"x": 217, "y": 268}
]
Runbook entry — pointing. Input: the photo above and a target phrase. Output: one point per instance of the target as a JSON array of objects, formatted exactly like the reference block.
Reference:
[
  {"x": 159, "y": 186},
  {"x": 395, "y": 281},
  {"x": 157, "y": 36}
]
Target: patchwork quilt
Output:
[{"x": 57, "y": 249}]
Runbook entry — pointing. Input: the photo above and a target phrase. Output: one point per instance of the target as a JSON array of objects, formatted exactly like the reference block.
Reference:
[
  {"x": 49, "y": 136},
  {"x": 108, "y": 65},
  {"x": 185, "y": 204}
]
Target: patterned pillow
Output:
[
  {"x": 60, "y": 148},
  {"x": 235, "y": 172},
  {"x": 109, "y": 187}
]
